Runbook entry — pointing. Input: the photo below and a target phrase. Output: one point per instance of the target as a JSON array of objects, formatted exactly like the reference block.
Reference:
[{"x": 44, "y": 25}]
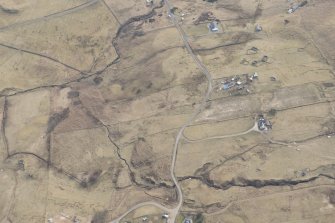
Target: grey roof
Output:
[{"x": 213, "y": 26}]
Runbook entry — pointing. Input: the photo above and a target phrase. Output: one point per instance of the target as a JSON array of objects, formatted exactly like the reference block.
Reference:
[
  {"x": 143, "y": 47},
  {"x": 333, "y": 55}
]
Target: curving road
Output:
[
  {"x": 174, "y": 212},
  {"x": 254, "y": 128}
]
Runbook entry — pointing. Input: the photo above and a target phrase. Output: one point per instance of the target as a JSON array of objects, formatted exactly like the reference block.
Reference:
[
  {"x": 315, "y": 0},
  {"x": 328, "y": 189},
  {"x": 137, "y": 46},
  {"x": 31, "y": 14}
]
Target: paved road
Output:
[{"x": 174, "y": 212}]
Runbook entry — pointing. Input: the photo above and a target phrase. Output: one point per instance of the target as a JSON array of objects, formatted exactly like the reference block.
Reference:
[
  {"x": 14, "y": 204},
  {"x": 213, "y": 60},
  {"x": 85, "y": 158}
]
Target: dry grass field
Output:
[{"x": 105, "y": 114}]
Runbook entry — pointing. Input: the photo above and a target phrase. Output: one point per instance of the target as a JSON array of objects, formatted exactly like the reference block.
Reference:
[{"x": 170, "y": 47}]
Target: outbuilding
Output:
[{"x": 213, "y": 26}]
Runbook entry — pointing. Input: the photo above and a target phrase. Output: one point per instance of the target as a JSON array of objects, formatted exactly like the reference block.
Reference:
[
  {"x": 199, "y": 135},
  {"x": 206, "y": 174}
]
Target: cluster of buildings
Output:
[
  {"x": 237, "y": 82},
  {"x": 166, "y": 216}
]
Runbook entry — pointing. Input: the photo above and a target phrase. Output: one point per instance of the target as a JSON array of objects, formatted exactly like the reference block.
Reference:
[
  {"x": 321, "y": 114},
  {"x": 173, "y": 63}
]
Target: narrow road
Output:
[
  {"x": 204, "y": 70},
  {"x": 55, "y": 14},
  {"x": 174, "y": 212},
  {"x": 254, "y": 128}
]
